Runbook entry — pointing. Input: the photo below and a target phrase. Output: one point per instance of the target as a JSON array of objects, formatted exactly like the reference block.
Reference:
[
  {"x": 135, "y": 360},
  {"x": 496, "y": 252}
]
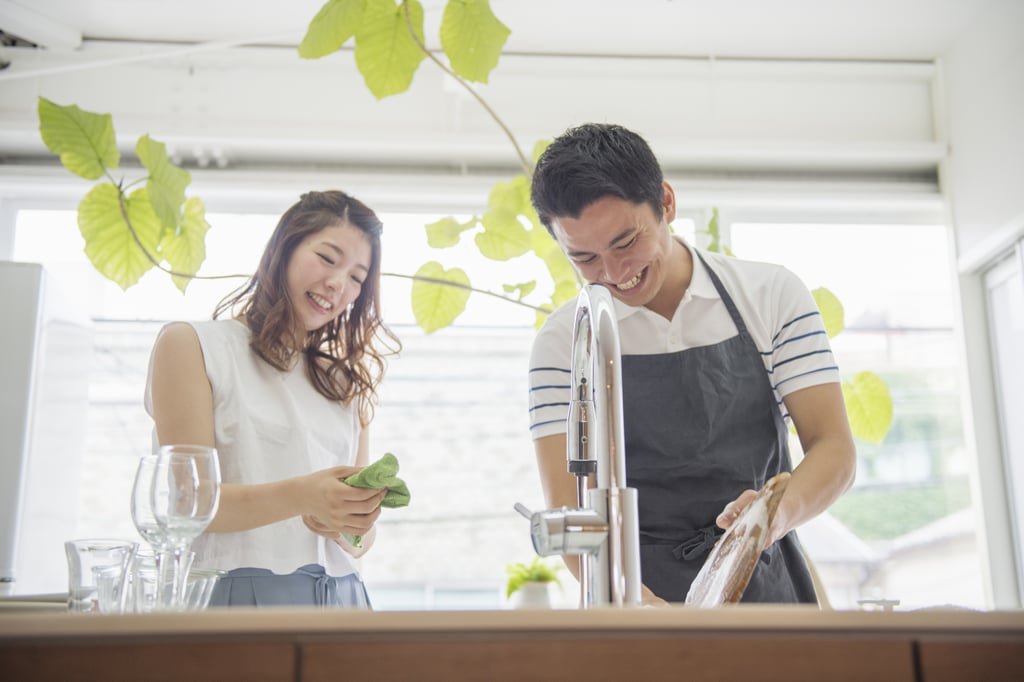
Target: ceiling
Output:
[{"x": 773, "y": 29}]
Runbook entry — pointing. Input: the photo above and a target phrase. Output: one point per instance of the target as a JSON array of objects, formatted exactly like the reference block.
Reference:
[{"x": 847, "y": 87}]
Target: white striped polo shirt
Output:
[{"x": 778, "y": 309}]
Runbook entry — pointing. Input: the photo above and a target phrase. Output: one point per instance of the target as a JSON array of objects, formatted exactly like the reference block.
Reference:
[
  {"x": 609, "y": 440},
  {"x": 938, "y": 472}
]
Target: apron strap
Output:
[{"x": 734, "y": 313}]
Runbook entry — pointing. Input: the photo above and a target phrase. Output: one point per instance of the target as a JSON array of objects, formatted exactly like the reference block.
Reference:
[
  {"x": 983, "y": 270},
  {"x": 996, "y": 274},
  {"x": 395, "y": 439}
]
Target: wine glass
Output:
[
  {"x": 142, "y": 506},
  {"x": 184, "y": 496},
  {"x": 150, "y": 531}
]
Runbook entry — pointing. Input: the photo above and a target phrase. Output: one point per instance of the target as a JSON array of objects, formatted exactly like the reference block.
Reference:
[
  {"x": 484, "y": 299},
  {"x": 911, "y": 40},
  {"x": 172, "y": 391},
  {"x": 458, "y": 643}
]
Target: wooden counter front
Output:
[{"x": 741, "y": 643}]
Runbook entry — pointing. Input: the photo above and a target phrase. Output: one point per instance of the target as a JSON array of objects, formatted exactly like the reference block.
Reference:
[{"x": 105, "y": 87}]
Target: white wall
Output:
[
  {"x": 259, "y": 125},
  {"x": 983, "y": 178},
  {"x": 265, "y": 105},
  {"x": 984, "y": 78}
]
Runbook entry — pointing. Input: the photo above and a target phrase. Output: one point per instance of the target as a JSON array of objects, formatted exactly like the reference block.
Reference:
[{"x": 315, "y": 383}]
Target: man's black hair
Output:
[{"x": 590, "y": 162}]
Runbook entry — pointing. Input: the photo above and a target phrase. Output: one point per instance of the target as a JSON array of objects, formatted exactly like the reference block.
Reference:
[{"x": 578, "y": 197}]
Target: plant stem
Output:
[
  {"x": 523, "y": 161},
  {"x": 417, "y": 278},
  {"x": 467, "y": 287},
  {"x": 150, "y": 257}
]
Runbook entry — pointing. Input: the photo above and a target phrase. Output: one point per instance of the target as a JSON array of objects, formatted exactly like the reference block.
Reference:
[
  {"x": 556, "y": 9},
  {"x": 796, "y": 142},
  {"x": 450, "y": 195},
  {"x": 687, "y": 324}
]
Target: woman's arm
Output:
[{"x": 182, "y": 402}]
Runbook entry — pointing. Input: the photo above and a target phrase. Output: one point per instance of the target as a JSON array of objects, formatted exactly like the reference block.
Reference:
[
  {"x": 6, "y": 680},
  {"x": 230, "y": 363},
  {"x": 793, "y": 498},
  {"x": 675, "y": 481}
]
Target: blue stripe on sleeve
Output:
[
  {"x": 813, "y": 371},
  {"x": 539, "y": 407},
  {"x": 798, "y": 338},
  {"x": 794, "y": 321},
  {"x": 802, "y": 356},
  {"x": 550, "y": 421},
  {"x": 550, "y": 369}
]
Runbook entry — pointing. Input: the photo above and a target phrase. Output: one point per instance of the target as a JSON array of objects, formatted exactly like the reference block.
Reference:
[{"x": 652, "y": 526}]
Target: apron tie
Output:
[{"x": 697, "y": 545}]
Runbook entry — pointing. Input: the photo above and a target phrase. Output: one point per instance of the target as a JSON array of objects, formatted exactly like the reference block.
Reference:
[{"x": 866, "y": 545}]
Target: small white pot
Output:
[{"x": 532, "y": 596}]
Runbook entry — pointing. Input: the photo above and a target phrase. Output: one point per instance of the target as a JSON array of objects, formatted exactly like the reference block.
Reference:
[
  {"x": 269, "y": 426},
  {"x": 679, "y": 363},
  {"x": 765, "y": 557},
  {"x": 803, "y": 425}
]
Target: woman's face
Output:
[{"x": 326, "y": 273}]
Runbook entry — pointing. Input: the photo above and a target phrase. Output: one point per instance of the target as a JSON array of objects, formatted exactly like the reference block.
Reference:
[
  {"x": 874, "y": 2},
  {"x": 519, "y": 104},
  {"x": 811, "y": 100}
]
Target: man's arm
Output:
[
  {"x": 828, "y": 467},
  {"x": 830, "y": 456}
]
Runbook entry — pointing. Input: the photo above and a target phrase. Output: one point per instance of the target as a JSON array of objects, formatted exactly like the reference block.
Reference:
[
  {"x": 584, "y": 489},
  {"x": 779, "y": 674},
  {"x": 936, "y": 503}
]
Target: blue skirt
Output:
[{"x": 307, "y": 586}]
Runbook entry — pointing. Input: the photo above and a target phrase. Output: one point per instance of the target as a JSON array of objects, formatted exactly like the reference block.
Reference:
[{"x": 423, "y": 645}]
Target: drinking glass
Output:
[
  {"x": 96, "y": 574},
  {"x": 142, "y": 506},
  {"x": 184, "y": 496},
  {"x": 160, "y": 577}
]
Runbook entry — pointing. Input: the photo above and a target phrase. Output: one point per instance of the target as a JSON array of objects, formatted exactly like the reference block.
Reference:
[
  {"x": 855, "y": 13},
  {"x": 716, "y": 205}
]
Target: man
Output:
[{"x": 718, "y": 354}]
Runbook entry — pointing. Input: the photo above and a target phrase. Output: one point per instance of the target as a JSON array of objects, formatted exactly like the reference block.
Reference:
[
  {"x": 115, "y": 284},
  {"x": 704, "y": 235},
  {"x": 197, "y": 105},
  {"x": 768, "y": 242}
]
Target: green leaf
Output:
[
  {"x": 386, "y": 53},
  {"x": 504, "y": 235},
  {"x": 472, "y": 37},
  {"x": 563, "y": 274},
  {"x": 537, "y": 571},
  {"x": 521, "y": 290},
  {"x": 715, "y": 243},
  {"x": 445, "y": 232},
  {"x": 84, "y": 141},
  {"x": 869, "y": 407},
  {"x": 166, "y": 183},
  {"x": 832, "y": 314},
  {"x": 435, "y": 305},
  {"x": 108, "y": 242},
  {"x": 564, "y": 292},
  {"x": 186, "y": 250},
  {"x": 538, "y": 148},
  {"x": 539, "y": 318},
  {"x": 334, "y": 24}
]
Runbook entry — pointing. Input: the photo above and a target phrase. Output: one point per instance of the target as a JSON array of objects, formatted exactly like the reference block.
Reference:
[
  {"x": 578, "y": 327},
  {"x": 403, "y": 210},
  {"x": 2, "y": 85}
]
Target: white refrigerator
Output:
[{"x": 45, "y": 361}]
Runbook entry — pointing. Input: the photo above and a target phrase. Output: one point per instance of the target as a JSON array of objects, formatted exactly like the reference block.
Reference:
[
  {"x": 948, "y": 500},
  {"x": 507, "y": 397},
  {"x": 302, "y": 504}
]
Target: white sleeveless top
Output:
[{"x": 269, "y": 425}]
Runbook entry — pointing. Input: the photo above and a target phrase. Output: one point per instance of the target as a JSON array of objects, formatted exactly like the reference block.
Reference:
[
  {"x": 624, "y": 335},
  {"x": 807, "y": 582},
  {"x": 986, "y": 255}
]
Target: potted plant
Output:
[{"x": 529, "y": 585}]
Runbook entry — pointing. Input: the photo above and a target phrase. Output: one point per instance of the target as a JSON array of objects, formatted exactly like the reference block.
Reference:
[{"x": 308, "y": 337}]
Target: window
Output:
[
  {"x": 905, "y": 530},
  {"x": 453, "y": 407},
  {"x": 1005, "y": 285}
]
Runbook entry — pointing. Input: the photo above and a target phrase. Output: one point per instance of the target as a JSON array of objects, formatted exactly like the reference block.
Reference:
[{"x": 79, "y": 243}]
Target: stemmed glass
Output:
[
  {"x": 184, "y": 495},
  {"x": 150, "y": 531}
]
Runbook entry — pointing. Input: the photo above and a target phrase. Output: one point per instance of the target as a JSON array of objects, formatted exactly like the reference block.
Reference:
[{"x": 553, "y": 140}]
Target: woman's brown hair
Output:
[{"x": 342, "y": 359}]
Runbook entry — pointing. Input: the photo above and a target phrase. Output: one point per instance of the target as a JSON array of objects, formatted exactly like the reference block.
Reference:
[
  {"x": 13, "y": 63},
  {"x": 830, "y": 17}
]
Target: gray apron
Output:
[{"x": 701, "y": 426}]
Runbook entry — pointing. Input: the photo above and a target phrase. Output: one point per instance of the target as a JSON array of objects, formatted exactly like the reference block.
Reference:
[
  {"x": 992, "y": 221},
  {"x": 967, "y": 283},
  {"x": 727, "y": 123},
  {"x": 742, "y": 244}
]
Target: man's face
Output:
[{"x": 622, "y": 245}]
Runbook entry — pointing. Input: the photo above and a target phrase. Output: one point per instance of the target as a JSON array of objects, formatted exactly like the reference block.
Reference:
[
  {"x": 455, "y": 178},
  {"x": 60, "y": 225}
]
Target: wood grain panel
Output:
[
  {"x": 498, "y": 658},
  {"x": 177, "y": 661},
  {"x": 947, "y": 660}
]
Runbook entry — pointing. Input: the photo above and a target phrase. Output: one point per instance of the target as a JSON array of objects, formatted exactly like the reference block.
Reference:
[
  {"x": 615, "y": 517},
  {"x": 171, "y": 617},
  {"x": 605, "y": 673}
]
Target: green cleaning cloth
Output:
[{"x": 380, "y": 474}]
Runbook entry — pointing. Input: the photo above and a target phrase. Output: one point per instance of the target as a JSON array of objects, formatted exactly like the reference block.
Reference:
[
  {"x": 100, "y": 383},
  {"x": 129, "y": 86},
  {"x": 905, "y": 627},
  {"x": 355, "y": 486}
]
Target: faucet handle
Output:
[
  {"x": 567, "y": 531},
  {"x": 521, "y": 508}
]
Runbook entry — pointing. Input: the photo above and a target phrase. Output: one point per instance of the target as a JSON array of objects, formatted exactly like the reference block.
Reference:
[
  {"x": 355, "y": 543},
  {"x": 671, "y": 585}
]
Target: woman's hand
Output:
[
  {"x": 318, "y": 528},
  {"x": 314, "y": 524},
  {"x": 336, "y": 508}
]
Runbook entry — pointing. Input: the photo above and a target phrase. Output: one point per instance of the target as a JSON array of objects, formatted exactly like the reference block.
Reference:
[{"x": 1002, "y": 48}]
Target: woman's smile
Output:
[{"x": 323, "y": 304}]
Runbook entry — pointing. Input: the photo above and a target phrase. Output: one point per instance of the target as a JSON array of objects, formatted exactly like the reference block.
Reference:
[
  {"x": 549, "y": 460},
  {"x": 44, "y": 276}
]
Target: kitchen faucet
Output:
[{"x": 604, "y": 526}]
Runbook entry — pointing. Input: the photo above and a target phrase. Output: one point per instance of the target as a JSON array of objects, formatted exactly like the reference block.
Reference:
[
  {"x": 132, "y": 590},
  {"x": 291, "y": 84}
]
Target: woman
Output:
[{"x": 284, "y": 389}]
